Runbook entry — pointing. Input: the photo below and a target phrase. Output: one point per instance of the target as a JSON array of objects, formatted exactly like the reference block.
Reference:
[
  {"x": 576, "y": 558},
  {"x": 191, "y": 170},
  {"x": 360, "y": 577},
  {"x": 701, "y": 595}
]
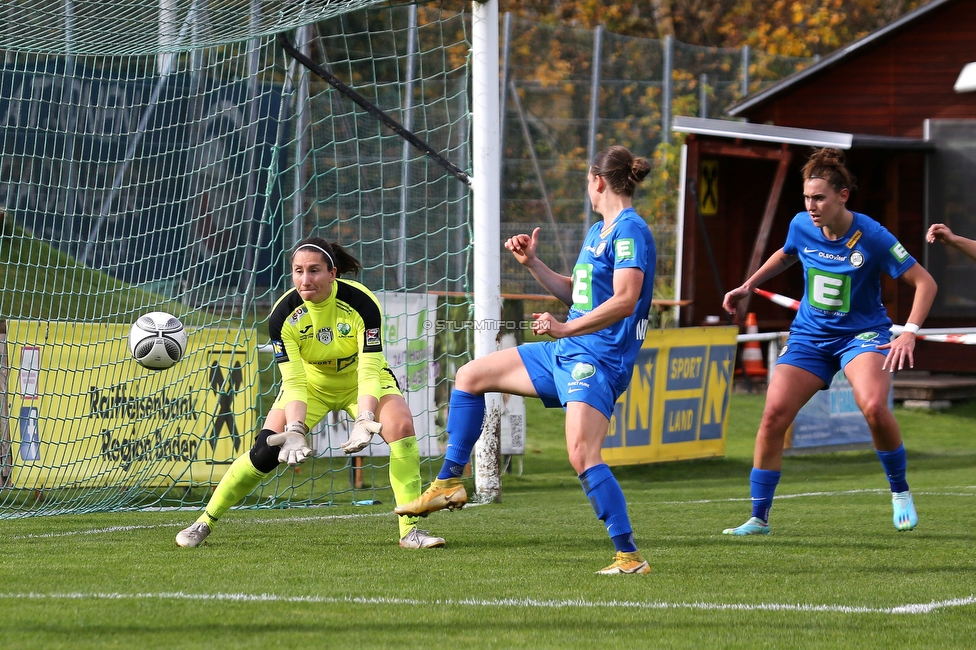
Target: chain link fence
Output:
[{"x": 594, "y": 89}]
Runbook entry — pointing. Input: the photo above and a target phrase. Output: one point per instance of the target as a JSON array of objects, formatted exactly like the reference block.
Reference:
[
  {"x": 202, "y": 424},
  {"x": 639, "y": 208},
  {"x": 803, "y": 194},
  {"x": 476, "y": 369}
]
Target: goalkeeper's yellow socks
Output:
[
  {"x": 240, "y": 479},
  {"x": 405, "y": 476}
]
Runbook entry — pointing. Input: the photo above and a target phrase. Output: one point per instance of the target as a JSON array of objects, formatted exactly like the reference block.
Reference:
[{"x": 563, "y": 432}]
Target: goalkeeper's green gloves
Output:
[
  {"x": 293, "y": 451},
  {"x": 362, "y": 432}
]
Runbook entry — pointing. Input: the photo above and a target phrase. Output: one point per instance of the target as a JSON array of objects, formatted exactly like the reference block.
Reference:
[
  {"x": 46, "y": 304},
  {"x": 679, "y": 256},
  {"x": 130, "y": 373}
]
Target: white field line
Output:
[
  {"x": 836, "y": 493},
  {"x": 914, "y": 608},
  {"x": 117, "y": 529},
  {"x": 181, "y": 524}
]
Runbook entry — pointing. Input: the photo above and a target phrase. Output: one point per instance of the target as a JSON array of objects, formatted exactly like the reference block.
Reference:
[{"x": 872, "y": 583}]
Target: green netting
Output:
[
  {"x": 133, "y": 28},
  {"x": 144, "y": 174}
]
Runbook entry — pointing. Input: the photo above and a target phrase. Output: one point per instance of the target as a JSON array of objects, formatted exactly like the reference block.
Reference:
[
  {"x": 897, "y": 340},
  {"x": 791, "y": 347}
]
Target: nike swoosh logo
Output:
[
  {"x": 574, "y": 390},
  {"x": 809, "y": 250}
]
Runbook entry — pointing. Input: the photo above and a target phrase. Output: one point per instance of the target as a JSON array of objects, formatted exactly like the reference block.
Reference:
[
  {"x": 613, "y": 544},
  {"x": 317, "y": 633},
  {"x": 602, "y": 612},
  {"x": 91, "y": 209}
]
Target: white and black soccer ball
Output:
[{"x": 157, "y": 340}]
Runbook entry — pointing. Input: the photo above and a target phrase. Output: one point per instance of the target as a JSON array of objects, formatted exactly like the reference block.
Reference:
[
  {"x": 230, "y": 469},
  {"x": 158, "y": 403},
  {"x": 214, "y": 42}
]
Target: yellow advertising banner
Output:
[
  {"x": 83, "y": 413},
  {"x": 678, "y": 399}
]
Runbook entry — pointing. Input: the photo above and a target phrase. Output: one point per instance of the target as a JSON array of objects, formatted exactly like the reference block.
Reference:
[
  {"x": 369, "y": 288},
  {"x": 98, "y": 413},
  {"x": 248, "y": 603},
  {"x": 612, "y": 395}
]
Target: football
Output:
[{"x": 157, "y": 340}]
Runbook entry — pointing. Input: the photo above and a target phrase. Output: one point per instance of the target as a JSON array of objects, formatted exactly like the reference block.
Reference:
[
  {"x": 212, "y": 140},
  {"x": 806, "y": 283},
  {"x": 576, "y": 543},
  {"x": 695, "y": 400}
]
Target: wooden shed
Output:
[{"x": 910, "y": 139}]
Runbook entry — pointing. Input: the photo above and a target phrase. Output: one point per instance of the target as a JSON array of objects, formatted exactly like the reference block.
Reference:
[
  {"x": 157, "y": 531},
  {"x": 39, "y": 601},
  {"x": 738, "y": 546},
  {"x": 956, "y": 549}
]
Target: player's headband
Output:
[{"x": 318, "y": 248}]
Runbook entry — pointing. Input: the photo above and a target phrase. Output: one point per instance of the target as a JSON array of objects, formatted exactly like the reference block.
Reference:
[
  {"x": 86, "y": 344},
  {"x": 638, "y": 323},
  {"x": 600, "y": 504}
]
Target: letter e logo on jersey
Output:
[
  {"x": 899, "y": 252},
  {"x": 583, "y": 371},
  {"x": 624, "y": 249},
  {"x": 829, "y": 291}
]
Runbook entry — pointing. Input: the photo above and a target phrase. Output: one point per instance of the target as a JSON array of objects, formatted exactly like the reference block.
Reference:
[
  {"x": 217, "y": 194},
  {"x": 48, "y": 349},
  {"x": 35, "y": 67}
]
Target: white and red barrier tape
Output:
[{"x": 962, "y": 335}]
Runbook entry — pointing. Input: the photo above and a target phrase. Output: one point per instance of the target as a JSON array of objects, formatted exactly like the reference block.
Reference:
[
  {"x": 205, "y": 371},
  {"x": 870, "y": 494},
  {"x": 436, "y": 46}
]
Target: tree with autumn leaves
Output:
[{"x": 799, "y": 28}]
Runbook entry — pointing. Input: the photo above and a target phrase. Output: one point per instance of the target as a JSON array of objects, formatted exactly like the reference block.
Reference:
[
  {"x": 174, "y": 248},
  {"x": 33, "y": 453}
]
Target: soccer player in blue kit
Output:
[
  {"x": 588, "y": 365},
  {"x": 841, "y": 323}
]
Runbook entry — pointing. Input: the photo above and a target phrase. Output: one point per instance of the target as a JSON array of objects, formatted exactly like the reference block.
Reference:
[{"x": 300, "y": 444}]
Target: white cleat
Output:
[
  {"x": 193, "y": 536},
  {"x": 417, "y": 538}
]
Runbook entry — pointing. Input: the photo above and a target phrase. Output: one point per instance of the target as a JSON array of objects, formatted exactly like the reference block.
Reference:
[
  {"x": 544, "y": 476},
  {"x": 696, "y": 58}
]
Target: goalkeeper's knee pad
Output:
[{"x": 263, "y": 456}]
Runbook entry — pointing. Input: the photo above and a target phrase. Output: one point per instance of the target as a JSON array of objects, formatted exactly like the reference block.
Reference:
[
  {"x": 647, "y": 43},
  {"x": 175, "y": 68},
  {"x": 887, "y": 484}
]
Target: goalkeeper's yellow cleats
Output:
[
  {"x": 193, "y": 536},
  {"x": 447, "y": 493},
  {"x": 626, "y": 563}
]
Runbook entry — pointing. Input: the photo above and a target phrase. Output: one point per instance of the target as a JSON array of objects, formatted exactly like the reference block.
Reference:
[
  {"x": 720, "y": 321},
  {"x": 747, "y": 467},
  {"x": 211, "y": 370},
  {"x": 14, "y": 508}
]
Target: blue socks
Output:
[
  {"x": 463, "y": 430},
  {"x": 895, "y": 464},
  {"x": 762, "y": 487},
  {"x": 608, "y": 503}
]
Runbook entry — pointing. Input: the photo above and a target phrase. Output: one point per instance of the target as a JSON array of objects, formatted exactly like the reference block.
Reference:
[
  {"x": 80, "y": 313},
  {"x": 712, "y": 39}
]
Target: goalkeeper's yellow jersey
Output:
[{"x": 332, "y": 345}]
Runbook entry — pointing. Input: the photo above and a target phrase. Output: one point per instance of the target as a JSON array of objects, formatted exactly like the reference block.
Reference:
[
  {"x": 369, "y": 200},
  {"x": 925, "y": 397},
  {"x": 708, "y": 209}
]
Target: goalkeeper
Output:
[{"x": 327, "y": 340}]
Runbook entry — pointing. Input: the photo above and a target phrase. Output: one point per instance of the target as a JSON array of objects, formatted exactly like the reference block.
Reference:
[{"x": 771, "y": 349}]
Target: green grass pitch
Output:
[{"x": 519, "y": 574}]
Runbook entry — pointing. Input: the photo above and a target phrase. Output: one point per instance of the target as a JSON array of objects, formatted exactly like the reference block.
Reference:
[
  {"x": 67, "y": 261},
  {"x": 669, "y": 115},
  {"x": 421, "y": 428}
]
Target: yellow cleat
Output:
[
  {"x": 448, "y": 493},
  {"x": 626, "y": 563}
]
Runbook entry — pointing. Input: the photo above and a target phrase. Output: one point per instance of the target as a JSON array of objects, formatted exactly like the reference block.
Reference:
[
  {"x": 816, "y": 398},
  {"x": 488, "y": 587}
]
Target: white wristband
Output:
[{"x": 911, "y": 328}]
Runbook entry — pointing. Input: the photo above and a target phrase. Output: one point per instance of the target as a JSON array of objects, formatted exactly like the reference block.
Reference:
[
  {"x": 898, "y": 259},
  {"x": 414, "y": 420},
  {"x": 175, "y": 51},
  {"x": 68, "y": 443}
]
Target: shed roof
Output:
[
  {"x": 857, "y": 47},
  {"x": 793, "y": 135}
]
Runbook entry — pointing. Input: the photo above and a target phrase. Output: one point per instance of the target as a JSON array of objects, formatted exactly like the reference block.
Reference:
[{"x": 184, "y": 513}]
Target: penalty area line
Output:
[{"x": 909, "y": 609}]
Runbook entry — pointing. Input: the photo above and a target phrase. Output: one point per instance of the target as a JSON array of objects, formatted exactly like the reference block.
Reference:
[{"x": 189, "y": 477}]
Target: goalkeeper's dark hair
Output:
[
  {"x": 335, "y": 256},
  {"x": 621, "y": 169}
]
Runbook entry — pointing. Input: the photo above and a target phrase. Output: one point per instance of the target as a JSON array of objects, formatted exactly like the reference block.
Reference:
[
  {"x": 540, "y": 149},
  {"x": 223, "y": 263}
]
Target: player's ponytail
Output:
[
  {"x": 621, "y": 169},
  {"x": 345, "y": 263}
]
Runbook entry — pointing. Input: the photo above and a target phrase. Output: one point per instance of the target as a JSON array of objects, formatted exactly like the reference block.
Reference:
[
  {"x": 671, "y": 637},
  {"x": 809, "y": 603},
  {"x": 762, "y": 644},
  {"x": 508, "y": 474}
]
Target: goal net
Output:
[{"x": 166, "y": 157}]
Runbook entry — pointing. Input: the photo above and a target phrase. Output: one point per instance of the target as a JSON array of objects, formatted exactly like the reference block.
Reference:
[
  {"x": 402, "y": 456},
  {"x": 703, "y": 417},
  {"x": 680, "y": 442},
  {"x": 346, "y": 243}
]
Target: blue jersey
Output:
[
  {"x": 842, "y": 278},
  {"x": 626, "y": 243}
]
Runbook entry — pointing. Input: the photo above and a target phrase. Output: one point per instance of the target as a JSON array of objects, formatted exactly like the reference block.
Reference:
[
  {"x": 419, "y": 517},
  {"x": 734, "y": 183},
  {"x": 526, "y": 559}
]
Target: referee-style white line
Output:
[{"x": 914, "y": 608}]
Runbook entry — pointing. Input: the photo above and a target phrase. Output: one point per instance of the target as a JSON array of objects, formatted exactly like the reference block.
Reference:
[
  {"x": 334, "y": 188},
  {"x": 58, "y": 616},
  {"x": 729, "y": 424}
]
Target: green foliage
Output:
[{"x": 334, "y": 577}]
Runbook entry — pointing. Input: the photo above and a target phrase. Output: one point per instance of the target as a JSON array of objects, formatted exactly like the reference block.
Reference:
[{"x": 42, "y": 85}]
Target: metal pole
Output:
[
  {"x": 401, "y": 273},
  {"x": 702, "y": 95},
  {"x": 594, "y": 115},
  {"x": 253, "y": 114},
  {"x": 487, "y": 241},
  {"x": 302, "y": 146},
  {"x": 679, "y": 234},
  {"x": 666, "y": 89},
  {"x": 503, "y": 86},
  {"x": 745, "y": 70},
  {"x": 70, "y": 72}
]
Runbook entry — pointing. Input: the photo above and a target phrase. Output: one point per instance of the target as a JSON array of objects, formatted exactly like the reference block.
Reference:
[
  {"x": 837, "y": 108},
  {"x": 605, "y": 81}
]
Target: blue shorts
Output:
[
  {"x": 558, "y": 380},
  {"x": 825, "y": 356}
]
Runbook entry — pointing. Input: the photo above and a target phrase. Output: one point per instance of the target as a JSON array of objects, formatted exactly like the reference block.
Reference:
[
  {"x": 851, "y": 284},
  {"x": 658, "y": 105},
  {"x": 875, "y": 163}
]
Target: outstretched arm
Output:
[
  {"x": 941, "y": 232},
  {"x": 523, "y": 247},
  {"x": 776, "y": 264},
  {"x": 903, "y": 347}
]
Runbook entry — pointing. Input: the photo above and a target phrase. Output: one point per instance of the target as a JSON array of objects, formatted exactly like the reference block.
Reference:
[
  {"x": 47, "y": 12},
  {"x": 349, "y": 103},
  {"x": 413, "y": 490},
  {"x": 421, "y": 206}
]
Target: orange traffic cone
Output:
[{"x": 752, "y": 359}]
